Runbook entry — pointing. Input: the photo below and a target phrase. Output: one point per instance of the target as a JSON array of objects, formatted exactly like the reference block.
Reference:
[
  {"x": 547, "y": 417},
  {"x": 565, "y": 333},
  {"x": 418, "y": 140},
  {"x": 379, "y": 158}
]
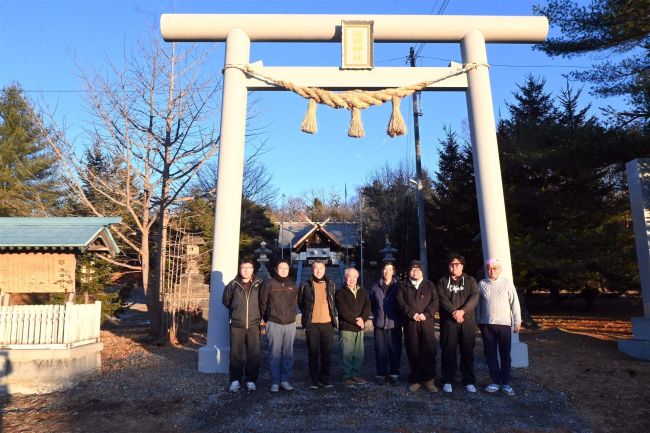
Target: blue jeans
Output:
[
  {"x": 388, "y": 350},
  {"x": 280, "y": 350}
]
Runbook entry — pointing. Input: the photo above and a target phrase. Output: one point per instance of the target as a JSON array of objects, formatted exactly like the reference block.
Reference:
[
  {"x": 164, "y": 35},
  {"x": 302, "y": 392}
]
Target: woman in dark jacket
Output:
[{"x": 387, "y": 325}]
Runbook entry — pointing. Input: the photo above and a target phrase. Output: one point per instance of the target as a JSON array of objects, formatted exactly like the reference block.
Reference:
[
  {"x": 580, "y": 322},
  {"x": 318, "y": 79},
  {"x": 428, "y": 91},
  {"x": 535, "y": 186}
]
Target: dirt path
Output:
[{"x": 577, "y": 382}]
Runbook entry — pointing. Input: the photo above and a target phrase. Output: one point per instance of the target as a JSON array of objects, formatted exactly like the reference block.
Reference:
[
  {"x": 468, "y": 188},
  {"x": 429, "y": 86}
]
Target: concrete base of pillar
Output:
[
  {"x": 639, "y": 345},
  {"x": 518, "y": 352},
  {"x": 41, "y": 371},
  {"x": 213, "y": 359}
]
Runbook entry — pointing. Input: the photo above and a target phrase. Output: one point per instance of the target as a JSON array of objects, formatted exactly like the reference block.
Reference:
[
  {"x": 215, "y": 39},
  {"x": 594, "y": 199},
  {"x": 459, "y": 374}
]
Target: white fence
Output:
[{"x": 49, "y": 326}]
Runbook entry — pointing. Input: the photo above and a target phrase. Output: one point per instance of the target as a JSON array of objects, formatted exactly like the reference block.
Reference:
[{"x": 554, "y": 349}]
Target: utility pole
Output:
[
  {"x": 361, "y": 235},
  {"x": 418, "y": 174},
  {"x": 282, "y": 231}
]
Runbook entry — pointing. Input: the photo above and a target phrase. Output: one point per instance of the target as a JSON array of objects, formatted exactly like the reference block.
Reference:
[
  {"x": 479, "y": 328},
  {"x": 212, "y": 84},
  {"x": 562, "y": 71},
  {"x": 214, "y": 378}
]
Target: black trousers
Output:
[
  {"x": 320, "y": 338},
  {"x": 388, "y": 350},
  {"x": 420, "y": 341},
  {"x": 497, "y": 337},
  {"x": 244, "y": 342},
  {"x": 452, "y": 336}
]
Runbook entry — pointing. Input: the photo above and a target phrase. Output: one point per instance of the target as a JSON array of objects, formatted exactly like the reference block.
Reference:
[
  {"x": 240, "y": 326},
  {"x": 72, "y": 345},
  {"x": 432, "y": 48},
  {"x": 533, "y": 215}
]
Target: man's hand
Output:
[
  {"x": 360, "y": 322},
  {"x": 422, "y": 317},
  {"x": 416, "y": 317},
  {"x": 459, "y": 316},
  {"x": 517, "y": 328}
]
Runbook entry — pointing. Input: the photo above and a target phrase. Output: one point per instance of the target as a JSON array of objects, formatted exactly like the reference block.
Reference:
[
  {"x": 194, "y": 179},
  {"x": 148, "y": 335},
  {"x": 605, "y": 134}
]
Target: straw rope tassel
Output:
[
  {"x": 309, "y": 124},
  {"x": 396, "y": 125},
  {"x": 356, "y": 125}
]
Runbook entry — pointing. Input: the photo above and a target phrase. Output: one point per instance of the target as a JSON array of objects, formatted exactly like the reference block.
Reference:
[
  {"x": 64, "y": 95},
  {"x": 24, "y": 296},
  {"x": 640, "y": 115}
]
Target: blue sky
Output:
[{"x": 41, "y": 40}]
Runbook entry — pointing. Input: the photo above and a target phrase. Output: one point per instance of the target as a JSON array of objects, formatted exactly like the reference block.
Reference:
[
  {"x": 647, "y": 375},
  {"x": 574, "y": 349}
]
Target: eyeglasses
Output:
[{"x": 455, "y": 264}]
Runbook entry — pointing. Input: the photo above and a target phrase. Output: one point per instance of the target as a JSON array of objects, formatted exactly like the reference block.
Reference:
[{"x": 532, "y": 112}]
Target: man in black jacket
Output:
[
  {"x": 353, "y": 306},
  {"x": 241, "y": 298},
  {"x": 316, "y": 302},
  {"x": 278, "y": 300},
  {"x": 458, "y": 293},
  {"x": 418, "y": 301}
]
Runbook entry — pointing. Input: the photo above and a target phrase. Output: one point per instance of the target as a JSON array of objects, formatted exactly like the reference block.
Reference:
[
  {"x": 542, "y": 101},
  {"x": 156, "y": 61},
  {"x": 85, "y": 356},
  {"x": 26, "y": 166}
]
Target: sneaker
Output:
[
  {"x": 430, "y": 386},
  {"x": 359, "y": 380},
  {"x": 325, "y": 383},
  {"x": 493, "y": 387},
  {"x": 470, "y": 388},
  {"x": 349, "y": 383},
  {"x": 250, "y": 386},
  {"x": 275, "y": 387},
  {"x": 286, "y": 386},
  {"x": 446, "y": 387},
  {"x": 507, "y": 389},
  {"x": 393, "y": 380},
  {"x": 414, "y": 387},
  {"x": 314, "y": 385},
  {"x": 234, "y": 386}
]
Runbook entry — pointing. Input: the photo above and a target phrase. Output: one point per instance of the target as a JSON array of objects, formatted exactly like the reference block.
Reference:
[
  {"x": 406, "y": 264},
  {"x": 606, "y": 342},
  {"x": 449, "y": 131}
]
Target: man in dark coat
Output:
[
  {"x": 353, "y": 306},
  {"x": 458, "y": 293},
  {"x": 278, "y": 302},
  {"x": 418, "y": 301},
  {"x": 241, "y": 298}
]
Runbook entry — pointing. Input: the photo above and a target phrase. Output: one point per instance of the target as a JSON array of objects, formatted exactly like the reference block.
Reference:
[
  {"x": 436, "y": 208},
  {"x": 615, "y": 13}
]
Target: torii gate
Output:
[{"x": 472, "y": 32}]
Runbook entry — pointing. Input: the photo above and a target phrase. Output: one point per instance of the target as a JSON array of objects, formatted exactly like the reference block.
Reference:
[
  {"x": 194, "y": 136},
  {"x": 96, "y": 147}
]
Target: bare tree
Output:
[
  {"x": 258, "y": 182},
  {"x": 154, "y": 119}
]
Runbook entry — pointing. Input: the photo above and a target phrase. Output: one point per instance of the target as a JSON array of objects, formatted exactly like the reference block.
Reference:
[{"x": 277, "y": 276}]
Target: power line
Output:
[{"x": 501, "y": 65}]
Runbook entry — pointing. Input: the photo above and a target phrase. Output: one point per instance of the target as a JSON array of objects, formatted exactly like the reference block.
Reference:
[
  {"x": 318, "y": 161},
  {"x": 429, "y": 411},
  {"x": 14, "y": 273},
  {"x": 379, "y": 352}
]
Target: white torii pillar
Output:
[{"x": 238, "y": 30}]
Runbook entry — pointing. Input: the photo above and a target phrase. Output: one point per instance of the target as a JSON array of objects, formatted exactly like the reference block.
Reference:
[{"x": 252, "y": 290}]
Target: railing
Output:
[{"x": 49, "y": 326}]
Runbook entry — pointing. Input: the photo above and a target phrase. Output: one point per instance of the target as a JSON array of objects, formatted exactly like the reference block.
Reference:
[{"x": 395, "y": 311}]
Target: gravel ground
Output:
[{"x": 147, "y": 388}]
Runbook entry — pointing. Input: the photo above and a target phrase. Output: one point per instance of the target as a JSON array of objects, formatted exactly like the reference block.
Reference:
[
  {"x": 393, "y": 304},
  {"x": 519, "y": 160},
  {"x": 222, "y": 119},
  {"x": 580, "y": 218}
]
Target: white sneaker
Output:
[
  {"x": 507, "y": 389},
  {"x": 275, "y": 388},
  {"x": 471, "y": 388},
  {"x": 446, "y": 387},
  {"x": 234, "y": 386},
  {"x": 493, "y": 387},
  {"x": 250, "y": 386},
  {"x": 286, "y": 386}
]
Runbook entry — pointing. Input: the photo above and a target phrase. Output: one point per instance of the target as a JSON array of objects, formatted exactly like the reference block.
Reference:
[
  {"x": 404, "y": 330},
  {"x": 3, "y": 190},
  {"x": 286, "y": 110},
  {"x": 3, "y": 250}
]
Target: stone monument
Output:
[{"x": 638, "y": 179}]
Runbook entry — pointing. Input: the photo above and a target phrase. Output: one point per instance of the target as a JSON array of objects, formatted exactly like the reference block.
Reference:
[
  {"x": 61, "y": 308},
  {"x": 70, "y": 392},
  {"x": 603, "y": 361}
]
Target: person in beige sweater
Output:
[{"x": 316, "y": 302}]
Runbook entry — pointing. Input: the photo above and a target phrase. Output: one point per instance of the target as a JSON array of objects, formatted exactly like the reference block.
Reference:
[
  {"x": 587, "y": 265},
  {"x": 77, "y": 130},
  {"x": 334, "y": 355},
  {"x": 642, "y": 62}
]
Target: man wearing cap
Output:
[
  {"x": 458, "y": 293},
  {"x": 497, "y": 311},
  {"x": 418, "y": 302}
]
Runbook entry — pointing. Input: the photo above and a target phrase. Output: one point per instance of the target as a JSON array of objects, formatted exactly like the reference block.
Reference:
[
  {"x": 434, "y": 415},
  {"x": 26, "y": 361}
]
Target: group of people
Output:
[{"x": 401, "y": 311}]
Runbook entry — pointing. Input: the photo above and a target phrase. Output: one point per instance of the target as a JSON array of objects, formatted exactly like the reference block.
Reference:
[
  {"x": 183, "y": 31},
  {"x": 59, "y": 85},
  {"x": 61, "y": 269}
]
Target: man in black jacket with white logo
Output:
[
  {"x": 241, "y": 298},
  {"x": 458, "y": 293}
]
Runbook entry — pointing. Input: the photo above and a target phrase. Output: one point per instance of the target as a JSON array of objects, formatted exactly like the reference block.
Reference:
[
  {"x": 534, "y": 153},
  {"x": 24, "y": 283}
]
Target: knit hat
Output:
[{"x": 415, "y": 264}]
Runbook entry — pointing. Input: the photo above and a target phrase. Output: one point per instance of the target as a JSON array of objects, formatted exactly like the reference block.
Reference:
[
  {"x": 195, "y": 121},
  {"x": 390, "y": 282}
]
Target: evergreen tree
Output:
[
  {"x": 563, "y": 181},
  {"x": 28, "y": 186},
  {"x": 616, "y": 29},
  {"x": 452, "y": 223}
]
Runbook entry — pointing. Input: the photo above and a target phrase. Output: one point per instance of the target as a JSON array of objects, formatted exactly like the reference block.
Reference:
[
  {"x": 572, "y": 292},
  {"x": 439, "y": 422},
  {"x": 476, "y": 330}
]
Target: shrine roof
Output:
[{"x": 67, "y": 233}]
